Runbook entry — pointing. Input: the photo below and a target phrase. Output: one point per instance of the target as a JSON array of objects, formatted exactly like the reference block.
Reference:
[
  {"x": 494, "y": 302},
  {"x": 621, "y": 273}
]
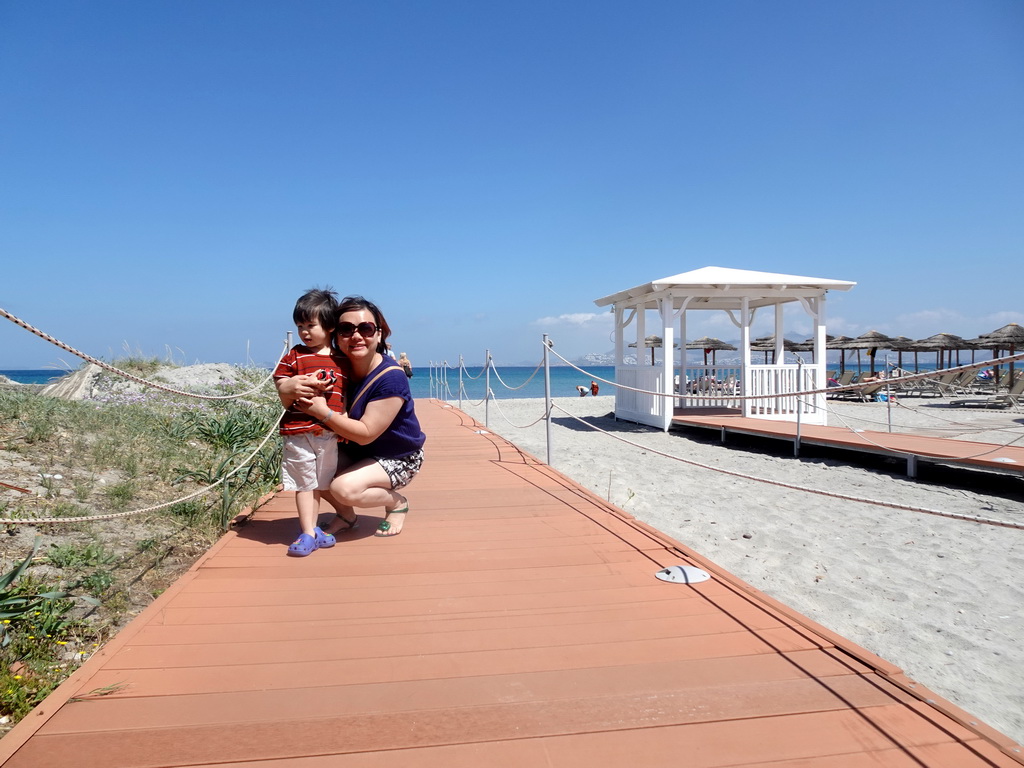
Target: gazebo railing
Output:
[
  {"x": 768, "y": 385},
  {"x": 640, "y": 406},
  {"x": 717, "y": 386}
]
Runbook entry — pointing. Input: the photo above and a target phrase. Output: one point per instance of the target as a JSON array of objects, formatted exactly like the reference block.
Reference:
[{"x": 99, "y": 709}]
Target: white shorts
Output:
[{"x": 309, "y": 461}]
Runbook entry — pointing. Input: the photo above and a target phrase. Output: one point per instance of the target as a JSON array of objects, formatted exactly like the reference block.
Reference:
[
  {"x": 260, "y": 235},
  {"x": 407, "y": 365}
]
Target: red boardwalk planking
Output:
[{"x": 516, "y": 621}]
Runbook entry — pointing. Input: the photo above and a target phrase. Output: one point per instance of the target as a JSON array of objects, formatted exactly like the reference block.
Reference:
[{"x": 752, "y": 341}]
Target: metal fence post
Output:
[
  {"x": 487, "y": 388},
  {"x": 547, "y": 397},
  {"x": 888, "y": 390}
]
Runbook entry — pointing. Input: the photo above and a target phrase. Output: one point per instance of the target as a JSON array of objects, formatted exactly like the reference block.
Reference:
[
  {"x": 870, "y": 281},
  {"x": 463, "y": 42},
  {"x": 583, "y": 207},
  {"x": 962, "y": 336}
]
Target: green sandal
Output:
[
  {"x": 350, "y": 525},
  {"x": 385, "y": 525}
]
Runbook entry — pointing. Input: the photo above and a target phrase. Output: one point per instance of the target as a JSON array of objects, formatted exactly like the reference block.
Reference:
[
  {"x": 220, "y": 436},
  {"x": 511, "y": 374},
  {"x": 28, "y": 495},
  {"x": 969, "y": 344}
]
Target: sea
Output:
[
  {"x": 516, "y": 381},
  {"x": 506, "y": 382},
  {"x": 33, "y": 376},
  {"x": 510, "y": 382},
  {"x": 513, "y": 381}
]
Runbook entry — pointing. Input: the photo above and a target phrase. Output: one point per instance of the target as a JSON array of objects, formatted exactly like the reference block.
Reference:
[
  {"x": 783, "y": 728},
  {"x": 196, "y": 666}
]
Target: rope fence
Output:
[
  {"x": 130, "y": 376},
  {"x": 271, "y": 432}
]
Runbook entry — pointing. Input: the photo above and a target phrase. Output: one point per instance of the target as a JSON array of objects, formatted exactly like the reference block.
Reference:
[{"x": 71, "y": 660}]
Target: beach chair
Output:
[
  {"x": 964, "y": 383},
  {"x": 868, "y": 392},
  {"x": 916, "y": 387},
  {"x": 1014, "y": 399},
  {"x": 846, "y": 377},
  {"x": 865, "y": 393},
  {"x": 944, "y": 384}
]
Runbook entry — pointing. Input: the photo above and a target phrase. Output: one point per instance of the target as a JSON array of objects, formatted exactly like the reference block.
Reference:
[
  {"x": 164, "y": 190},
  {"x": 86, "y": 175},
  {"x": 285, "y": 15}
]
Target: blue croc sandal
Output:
[
  {"x": 324, "y": 540},
  {"x": 302, "y": 546}
]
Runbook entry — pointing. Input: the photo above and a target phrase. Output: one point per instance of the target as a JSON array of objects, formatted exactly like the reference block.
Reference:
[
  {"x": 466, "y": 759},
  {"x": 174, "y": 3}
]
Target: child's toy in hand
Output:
[{"x": 326, "y": 377}]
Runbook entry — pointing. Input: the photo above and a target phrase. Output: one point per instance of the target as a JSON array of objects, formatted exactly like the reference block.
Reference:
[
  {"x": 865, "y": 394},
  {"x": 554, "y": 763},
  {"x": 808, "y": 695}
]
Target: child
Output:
[{"x": 310, "y": 456}]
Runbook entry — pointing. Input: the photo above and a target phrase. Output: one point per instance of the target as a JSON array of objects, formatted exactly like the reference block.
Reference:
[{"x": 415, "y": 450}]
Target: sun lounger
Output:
[
  {"x": 945, "y": 384},
  {"x": 1012, "y": 399},
  {"x": 865, "y": 393}
]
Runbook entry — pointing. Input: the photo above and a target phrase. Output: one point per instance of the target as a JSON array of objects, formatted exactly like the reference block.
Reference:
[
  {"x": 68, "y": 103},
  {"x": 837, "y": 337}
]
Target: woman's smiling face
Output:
[{"x": 357, "y": 345}]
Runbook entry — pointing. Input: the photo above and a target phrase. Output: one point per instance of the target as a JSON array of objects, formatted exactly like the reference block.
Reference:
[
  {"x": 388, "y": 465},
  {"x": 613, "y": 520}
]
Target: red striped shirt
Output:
[{"x": 300, "y": 361}]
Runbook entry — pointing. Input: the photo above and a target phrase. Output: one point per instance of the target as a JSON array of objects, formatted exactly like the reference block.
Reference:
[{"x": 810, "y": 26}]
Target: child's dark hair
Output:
[
  {"x": 320, "y": 304},
  {"x": 354, "y": 304}
]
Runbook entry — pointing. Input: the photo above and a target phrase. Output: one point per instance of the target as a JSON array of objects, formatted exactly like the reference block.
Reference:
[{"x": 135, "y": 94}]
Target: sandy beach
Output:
[{"x": 941, "y": 598}]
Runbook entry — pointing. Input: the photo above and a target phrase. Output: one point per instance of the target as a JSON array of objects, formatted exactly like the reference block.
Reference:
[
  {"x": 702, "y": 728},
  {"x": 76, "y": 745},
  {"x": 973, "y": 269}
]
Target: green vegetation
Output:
[
  {"x": 36, "y": 629},
  {"x": 127, "y": 448}
]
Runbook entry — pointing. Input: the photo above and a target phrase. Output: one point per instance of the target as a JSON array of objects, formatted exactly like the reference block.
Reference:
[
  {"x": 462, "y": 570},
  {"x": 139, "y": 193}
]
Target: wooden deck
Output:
[
  {"x": 516, "y": 621},
  {"x": 913, "y": 448}
]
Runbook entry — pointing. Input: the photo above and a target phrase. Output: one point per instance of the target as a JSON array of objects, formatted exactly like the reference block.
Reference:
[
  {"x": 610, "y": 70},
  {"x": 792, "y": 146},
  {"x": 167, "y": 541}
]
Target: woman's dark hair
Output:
[
  {"x": 320, "y": 304},
  {"x": 356, "y": 303}
]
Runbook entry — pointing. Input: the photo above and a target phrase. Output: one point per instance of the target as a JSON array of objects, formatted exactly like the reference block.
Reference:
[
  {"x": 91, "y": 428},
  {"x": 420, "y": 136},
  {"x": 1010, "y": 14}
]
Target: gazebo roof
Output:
[{"x": 724, "y": 288}]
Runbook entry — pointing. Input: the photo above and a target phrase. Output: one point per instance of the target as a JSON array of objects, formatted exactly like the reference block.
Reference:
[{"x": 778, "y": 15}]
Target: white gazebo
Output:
[{"x": 740, "y": 294}]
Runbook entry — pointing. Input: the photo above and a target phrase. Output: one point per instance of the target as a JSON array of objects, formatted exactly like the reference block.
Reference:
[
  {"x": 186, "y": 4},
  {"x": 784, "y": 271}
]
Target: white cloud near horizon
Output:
[{"x": 578, "y": 319}]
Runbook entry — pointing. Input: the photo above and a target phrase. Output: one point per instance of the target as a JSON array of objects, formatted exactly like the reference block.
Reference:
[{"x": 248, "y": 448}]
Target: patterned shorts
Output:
[{"x": 402, "y": 469}]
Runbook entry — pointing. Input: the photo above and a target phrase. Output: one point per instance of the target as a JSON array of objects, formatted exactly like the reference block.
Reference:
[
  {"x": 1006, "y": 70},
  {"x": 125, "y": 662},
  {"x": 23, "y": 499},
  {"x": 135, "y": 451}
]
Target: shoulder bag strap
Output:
[{"x": 368, "y": 382}]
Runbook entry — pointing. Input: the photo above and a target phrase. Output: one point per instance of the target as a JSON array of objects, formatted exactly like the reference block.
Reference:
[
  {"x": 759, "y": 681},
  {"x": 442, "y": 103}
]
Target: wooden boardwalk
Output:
[
  {"x": 516, "y": 621},
  {"x": 912, "y": 447}
]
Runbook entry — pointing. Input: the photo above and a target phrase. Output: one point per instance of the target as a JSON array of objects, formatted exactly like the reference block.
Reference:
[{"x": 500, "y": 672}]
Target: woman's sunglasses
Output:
[{"x": 366, "y": 330}]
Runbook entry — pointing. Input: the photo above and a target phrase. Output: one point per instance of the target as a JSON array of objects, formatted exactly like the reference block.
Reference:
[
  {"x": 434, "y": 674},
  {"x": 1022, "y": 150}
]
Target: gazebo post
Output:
[
  {"x": 745, "y": 377},
  {"x": 619, "y": 348},
  {"x": 819, "y": 352},
  {"x": 779, "y": 353},
  {"x": 667, "y": 362},
  {"x": 641, "y": 333},
  {"x": 618, "y": 335},
  {"x": 682, "y": 358}
]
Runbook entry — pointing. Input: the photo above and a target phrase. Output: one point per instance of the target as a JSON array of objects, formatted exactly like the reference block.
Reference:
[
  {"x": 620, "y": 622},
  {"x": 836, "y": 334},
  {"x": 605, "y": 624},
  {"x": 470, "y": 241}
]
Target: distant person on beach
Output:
[
  {"x": 582, "y": 390},
  {"x": 384, "y": 448},
  {"x": 406, "y": 364},
  {"x": 309, "y": 459},
  {"x": 593, "y": 388}
]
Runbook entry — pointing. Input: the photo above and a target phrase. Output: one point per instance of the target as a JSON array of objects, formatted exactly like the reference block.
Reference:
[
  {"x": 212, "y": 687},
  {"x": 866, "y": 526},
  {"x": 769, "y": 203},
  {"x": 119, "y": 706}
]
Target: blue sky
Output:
[{"x": 173, "y": 175}]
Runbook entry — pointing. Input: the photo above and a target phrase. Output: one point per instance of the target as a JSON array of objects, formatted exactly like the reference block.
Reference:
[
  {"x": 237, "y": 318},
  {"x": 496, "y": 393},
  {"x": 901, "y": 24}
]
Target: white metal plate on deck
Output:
[{"x": 683, "y": 574}]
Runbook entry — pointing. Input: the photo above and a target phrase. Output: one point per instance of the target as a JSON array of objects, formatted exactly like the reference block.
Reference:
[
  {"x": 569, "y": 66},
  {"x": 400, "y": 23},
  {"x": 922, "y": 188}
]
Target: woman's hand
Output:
[
  {"x": 299, "y": 387},
  {"x": 378, "y": 417},
  {"x": 315, "y": 407}
]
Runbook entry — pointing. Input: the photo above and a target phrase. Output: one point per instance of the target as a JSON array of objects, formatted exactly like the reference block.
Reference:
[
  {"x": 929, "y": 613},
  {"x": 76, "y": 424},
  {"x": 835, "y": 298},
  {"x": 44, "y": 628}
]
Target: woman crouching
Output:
[{"x": 385, "y": 443}]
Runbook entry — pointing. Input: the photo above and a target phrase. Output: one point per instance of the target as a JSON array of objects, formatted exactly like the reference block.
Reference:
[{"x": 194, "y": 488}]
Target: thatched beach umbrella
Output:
[
  {"x": 901, "y": 344},
  {"x": 1009, "y": 337},
  {"x": 653, "y": 342},
  {"x": 709, "y": 344},
  {"x": 941, "y": 343},
  {"x": 837, "y": 342},
  {"x": 766, "y": 344},
  {"x": 870, "y": 341},
  {"x": 807, "y": 345}
]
